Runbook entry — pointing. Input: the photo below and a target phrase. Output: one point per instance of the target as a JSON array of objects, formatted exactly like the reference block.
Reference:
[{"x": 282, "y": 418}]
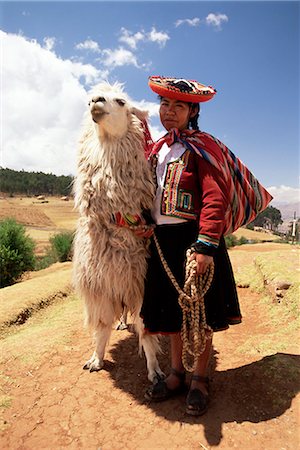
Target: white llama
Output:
[{"x": 113, "y": 180}]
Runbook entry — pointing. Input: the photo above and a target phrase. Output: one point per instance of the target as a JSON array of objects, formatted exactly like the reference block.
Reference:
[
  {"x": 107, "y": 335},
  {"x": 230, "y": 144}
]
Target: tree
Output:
[
  {"x": 16, "y": 252},
  {"x": 62, "y": 245},
  {"x": 33, "y": 183},
  {"x": 270, "y": 214}
]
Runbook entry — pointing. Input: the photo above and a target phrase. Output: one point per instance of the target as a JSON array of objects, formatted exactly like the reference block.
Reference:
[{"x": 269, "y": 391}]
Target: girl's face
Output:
[{"x": 175, "y": 113}]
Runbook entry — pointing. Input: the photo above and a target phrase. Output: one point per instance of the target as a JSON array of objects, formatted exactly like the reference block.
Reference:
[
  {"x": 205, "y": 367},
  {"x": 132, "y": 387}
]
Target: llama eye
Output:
[{"x": 120, "y": 101}]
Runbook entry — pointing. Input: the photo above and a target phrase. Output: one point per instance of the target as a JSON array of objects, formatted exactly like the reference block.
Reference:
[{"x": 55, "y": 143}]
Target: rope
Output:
[{"x": 194, "y": 331}]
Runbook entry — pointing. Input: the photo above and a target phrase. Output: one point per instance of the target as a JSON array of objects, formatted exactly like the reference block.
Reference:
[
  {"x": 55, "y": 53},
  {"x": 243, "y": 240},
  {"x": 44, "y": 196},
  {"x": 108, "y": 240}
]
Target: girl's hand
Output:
[{"x": 203, "y": 261}]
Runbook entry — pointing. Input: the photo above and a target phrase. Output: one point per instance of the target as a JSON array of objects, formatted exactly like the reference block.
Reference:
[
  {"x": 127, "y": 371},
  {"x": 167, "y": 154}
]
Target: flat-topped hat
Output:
[{"x": 185, "y": 90}]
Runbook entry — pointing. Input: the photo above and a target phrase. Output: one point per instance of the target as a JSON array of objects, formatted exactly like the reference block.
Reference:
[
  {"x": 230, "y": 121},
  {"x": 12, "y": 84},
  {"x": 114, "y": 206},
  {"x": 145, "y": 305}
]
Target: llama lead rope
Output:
[{"x": 195, "y": 331}]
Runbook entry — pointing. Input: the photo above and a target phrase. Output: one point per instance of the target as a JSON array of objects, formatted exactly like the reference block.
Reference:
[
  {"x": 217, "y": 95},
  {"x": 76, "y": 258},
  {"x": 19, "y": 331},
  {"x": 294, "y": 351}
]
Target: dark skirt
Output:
[{"x": 161, "y": 311}]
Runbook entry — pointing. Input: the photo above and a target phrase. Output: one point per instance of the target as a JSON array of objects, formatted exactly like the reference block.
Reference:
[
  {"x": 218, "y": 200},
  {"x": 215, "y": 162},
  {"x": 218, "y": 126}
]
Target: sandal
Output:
[
  {"x": 159, "y": 392},
  {"x": 197, "y": 401}
]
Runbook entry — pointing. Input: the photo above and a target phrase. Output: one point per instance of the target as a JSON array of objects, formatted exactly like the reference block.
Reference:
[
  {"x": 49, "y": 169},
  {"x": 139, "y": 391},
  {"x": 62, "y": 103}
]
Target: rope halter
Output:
[{"x": 194, "y": 331}]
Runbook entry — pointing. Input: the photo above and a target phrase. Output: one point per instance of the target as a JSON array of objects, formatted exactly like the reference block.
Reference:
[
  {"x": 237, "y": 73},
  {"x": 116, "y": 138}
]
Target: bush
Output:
[
  {"x": 16, "y": 252},
  {"x": 62, "y": 246},
  {"x": 242, "y": 240},
  {"x": 42, "y": 262},
  {"x": 230, "y": 241}
]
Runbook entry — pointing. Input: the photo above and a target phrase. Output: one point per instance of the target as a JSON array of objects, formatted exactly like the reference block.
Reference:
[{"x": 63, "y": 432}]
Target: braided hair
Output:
[{"x": 193, "y": 122}]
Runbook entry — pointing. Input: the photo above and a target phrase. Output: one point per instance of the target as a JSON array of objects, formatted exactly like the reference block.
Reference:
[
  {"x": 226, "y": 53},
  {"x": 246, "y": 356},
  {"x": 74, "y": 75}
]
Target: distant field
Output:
[
  {"x": 45, "y": 218},
  {"x": 42, "y": 220},
  {"x": 255, "y": 235}
]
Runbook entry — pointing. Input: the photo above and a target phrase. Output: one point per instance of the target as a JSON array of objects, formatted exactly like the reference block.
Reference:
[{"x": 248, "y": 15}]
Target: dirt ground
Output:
[
  {"x": 48, "y": 402},
  {"x": 55, "y": 404}
]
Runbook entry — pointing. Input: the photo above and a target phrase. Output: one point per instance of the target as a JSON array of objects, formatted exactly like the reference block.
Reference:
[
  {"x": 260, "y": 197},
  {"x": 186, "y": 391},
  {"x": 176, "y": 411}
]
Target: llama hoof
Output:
[
  {"x": 156, "y": 376},
  {"x": 122, "y": 326},
  {"x": 86, "y": 366},
  {"x": 93, "y": 366},
  {"x": 159, "y": 376}
]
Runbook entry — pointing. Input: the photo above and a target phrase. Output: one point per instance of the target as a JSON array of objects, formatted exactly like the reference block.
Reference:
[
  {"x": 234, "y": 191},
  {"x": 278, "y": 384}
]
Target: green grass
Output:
[
  {"x": 280, "y": 265},
  {"x": 43, "y": 331},
  {"x": 20, "y": 301},
  {"x": 283, "y": 318},
  {"x": 249, "y": 276},
  {"x": 5, "y": 401},
  {"x": 283, "y": 266}
]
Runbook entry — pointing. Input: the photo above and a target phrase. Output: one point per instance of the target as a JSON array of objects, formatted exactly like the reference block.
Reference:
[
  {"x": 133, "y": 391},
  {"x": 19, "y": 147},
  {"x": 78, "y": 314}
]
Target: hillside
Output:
[
  {"x": 47, "y": 401},
  {"x": 288, "y": 209}
]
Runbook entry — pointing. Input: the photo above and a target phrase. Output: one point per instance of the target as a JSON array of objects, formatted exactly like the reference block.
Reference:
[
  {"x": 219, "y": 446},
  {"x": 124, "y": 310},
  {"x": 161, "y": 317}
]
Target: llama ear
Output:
[{"x": 141, "y": 114}]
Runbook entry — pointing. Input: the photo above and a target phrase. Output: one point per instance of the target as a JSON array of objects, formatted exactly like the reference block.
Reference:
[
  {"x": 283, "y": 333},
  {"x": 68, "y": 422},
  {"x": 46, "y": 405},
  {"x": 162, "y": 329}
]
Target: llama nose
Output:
[
  {"x": 98, "y": 99},
  {"x": 95, "y": 106}
]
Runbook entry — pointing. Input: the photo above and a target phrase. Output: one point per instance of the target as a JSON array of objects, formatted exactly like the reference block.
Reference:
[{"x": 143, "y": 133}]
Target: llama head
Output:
[{"x": 111, "y": 110}]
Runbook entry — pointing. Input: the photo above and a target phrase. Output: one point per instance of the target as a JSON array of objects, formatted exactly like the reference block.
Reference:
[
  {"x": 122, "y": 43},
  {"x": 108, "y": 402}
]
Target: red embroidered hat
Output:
[{"x": 181, "y": 89}]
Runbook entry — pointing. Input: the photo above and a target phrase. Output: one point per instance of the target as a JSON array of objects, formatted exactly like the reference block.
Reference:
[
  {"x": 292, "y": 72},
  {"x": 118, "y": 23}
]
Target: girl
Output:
[{"x": 192, "y": 209}]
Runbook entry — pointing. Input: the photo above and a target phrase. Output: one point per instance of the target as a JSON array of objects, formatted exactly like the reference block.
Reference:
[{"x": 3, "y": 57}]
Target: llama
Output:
[{"x": 113, "y": 180}]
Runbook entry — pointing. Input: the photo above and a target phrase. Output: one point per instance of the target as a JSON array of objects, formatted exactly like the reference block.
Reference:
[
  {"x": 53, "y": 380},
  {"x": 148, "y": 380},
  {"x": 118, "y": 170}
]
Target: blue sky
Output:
[{"x": 53, "y": 52}]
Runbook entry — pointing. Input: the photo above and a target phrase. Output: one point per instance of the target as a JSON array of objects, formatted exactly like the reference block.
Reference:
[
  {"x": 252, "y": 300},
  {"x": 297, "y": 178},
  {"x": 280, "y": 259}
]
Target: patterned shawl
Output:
[{"x": 247, "y": 196}]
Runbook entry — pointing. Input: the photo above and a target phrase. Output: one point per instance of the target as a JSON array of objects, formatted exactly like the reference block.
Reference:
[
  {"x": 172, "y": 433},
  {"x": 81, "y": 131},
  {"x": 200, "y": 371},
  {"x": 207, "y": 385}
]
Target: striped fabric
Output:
[
  {"x": 135, "y": 222},
  {"x": 247, "y": 196}
]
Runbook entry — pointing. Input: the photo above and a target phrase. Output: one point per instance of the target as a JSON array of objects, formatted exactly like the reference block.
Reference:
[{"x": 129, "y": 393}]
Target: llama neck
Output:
[{"x": 117, "y": 174}]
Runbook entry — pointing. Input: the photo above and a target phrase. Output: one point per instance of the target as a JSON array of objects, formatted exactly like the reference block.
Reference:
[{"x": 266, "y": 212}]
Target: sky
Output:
[{"x": 53, "y": 53}]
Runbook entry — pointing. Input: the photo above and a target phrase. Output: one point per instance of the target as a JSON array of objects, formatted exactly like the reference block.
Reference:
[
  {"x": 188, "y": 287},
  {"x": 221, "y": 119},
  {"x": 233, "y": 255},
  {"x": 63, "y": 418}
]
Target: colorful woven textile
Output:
[
  {"x": 181, "y": 89},
  {"x": 137, "y": 224},
  {"x": 247, "y": 196}
]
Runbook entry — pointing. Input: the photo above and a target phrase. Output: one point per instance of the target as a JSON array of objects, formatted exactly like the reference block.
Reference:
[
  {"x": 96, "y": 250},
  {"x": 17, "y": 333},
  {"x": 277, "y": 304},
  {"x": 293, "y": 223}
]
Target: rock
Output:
[
  {"x": 282, "y": 285},
  {"x": 279, "y": 293}
]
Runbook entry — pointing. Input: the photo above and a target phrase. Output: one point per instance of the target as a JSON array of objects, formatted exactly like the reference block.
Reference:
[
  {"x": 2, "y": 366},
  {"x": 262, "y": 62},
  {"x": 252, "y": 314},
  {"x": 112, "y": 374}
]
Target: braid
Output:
[{"x": 193, "y": 122}]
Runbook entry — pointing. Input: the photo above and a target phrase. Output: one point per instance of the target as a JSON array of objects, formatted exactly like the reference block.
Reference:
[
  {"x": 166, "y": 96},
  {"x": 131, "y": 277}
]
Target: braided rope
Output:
[{"x": 195, "y": 331}]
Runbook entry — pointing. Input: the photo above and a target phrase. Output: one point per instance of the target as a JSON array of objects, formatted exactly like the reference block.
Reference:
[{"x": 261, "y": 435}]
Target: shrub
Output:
[
  {"x": 42, "y": 262},
  {"x": 62, "y": 246},
  {"x": 242, "y": 240},
  {"x": 16, "y": 252},
  {"x": 230, "y": 241}
]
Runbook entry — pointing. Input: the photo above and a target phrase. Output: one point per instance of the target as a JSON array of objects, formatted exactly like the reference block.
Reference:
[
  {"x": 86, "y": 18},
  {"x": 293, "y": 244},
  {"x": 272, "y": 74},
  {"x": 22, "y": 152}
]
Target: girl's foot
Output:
[
  {"x": 197, "y": 399},
  {"x": 173, "y": 385}
]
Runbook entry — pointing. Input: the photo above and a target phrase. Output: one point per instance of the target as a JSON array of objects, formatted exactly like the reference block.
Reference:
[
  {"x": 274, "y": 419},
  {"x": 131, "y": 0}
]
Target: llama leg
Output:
[
  {"x": 102, "y": 334},
  {"x": 151, "y": 347},
  {"x": 122, "y": 325}
]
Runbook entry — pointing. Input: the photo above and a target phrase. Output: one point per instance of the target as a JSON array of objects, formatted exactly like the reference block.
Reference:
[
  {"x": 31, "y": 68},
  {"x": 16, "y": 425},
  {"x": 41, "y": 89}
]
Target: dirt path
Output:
[{"x": 56, "y": 405}]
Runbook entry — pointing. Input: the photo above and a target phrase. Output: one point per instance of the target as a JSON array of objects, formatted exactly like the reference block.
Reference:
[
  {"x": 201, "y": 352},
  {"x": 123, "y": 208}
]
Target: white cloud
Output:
[
  {"x": 49, "y": 43},
  {"x": 216, "y": 20},
  {"x": 161, "y": 37},
  {"x": 90, "y": 45},
  {"x": 156, "y": 132},
  {"x": 118, "y": 57},
  {"x": 151, "y": 107},
  {"x": 131, "y": 39},
  {"x": 284, "y": 194},
  {"x": 191, "y": 22},
  {"x": 88, "y": 72},
  {"x": 43, "y": 104}
]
